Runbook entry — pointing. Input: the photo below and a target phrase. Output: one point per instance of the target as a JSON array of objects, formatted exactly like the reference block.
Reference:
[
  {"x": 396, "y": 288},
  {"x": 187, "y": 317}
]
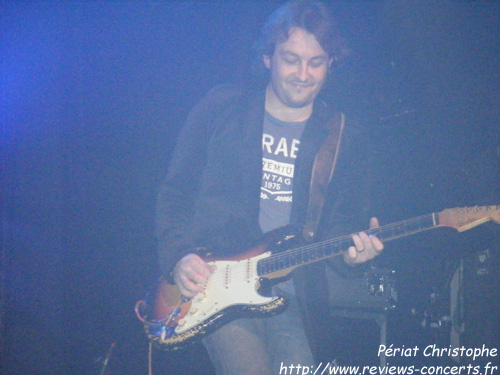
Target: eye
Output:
[
  {"x": 291, "y": 60},
  {"x": 316, "y": 63}
]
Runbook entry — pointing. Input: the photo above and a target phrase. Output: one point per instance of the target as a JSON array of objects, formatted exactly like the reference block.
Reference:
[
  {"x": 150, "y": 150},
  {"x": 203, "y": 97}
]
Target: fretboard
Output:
[{"x": 322, "y": 250}]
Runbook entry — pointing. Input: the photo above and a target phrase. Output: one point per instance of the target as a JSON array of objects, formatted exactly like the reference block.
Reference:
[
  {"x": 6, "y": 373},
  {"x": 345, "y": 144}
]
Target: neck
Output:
[{"x": 277, "y": 109}]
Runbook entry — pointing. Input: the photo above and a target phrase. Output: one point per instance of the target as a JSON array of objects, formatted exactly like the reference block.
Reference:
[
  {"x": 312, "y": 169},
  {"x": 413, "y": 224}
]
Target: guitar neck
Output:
[
  {"x": 405, "y": 228},
  {"x": 459, "y": 218},
  {"x": 322, "y": 250}
]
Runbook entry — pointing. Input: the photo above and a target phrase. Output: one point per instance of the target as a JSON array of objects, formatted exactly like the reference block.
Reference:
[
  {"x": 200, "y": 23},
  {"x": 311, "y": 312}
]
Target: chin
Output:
[{"x": 299, "y": 103}]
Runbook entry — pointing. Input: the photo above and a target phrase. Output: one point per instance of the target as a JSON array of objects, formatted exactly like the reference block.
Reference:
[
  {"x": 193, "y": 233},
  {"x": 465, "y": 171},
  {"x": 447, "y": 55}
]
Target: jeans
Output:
[{"x": 260, "y": 346}]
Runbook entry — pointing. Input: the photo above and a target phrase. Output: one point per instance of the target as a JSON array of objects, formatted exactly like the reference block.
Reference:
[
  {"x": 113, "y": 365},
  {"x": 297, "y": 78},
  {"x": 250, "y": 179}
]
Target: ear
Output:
[{"x": 267, "y": 61}]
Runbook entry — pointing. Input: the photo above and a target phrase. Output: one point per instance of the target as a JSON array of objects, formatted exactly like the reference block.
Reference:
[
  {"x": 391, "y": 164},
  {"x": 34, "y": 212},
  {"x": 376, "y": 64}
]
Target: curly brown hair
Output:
[{"x": 312, "y": 16}]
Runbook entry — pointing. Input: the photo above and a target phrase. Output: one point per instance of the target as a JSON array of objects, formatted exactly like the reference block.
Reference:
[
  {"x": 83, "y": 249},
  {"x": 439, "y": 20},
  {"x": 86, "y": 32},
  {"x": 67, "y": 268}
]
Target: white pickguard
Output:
[{"x": 233, "y": 283}]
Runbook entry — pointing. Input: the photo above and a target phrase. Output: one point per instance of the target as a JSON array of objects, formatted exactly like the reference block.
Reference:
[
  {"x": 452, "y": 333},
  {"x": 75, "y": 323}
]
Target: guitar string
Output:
[
  {"x": 237, "y": 270},
  {"x": 343, "y": 240},
  {"x": 383, "y": 230}
]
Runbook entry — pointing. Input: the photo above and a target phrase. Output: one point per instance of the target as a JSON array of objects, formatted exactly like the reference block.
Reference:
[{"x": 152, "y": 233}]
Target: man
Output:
[{"x": 242, "y": 168}]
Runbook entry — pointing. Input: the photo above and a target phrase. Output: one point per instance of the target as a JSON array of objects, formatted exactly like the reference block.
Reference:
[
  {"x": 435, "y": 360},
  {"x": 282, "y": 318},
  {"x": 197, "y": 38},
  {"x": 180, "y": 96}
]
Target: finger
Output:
[
  {"x": 213, "y": 268},
  {"x": 358, "y": 242},
  {"x": 192, "y": 265},
  {"x": 202, "y": 268},
  {"x": 372, "y": 244},
  {"x": 374, "y": 223},
  {"x": 186, "y": 292},
  {"x": 353, "y": 252},
  {"x": 191, "y": 275},
  {"x": 187, "y": 287},
  {"x": 350, "y": 257},
  {"x": 196, "y": 277},
  {"x": 377, "y": 244}
]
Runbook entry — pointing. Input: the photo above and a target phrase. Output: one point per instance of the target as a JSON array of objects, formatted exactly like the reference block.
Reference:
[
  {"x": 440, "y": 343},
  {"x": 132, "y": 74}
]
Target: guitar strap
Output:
[{"x": 322, "y": 173}]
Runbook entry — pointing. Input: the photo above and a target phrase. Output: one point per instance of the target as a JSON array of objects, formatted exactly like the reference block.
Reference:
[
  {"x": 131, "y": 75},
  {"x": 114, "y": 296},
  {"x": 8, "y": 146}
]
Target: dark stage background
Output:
[{"x": 93, "y": 95}]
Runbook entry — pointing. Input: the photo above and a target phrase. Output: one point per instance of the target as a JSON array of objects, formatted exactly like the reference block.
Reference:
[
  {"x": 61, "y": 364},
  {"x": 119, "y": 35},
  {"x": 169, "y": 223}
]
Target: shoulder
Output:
[
  {"x": 221, "y": 101},
  {"x": 213, "y": 104},
  {"x": 356, "y": 137},
  {"x": 222, "y": 94},
  {"x": 325, "y": 113}
]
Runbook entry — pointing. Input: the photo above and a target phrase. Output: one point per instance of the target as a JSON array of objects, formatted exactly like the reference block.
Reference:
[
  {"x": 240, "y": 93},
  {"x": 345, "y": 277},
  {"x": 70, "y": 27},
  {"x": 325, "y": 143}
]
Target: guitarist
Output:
[{"x": 242, "y": 168}]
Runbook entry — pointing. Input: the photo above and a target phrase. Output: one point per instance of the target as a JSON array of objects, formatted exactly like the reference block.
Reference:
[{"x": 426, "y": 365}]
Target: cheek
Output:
[
  {"x": 285, "y": 71},
  {"x": 320, "y": 74},
  {"x": 281, "y": 69}
]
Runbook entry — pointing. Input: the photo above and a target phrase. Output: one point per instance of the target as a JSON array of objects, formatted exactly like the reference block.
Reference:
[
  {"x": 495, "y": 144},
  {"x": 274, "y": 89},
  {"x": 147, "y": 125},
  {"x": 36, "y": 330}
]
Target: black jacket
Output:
[{"x": 211, "y": 194}]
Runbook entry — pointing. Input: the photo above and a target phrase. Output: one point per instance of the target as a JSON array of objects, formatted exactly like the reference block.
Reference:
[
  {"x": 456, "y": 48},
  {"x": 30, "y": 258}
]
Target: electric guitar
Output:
[{"x": 240, "y": 286}]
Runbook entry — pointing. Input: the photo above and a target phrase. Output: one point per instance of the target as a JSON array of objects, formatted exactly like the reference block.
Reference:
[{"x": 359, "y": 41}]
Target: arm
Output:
[
  {"x": 348, "y": 211},
  {"x": 179, "y": 190}
]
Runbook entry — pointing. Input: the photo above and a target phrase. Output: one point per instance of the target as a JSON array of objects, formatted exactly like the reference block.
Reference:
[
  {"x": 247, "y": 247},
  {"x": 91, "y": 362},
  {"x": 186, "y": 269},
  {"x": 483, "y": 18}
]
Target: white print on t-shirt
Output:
[
  {"x": 277, "y": 172},
  {"x": 281, "y": 146},
  {"x": 276, "y": 177}
]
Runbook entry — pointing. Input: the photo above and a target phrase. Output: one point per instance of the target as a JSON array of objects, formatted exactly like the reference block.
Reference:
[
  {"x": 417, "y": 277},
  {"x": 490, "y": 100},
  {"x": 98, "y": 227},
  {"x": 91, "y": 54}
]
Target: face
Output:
[{"x": 298, "y": 69}]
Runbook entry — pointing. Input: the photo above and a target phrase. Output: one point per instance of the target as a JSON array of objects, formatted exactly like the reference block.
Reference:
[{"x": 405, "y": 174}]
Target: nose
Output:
[{"x": 303, "y": 73}]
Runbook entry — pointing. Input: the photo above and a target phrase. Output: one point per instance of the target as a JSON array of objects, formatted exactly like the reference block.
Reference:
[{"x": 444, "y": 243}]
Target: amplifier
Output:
[{"x": 375, "y": 290}]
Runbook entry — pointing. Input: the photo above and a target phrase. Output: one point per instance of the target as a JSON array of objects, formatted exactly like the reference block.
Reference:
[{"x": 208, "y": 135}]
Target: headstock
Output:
[{"x": 464, "y": 218}]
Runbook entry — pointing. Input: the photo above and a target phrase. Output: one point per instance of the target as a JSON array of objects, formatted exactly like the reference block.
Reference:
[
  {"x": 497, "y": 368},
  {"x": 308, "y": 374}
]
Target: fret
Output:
[
  {"x": 459, "y": 218},
  {"x": 326, "y": 249}
]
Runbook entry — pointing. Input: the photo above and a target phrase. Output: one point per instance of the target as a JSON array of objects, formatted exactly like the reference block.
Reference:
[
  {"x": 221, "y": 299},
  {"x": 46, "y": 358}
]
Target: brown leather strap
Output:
[{"x": 322, "y": 173}]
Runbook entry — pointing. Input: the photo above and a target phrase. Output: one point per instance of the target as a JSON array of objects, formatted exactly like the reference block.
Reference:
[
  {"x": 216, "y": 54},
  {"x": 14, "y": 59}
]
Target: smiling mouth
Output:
[{"x": 301, "y": 85}]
